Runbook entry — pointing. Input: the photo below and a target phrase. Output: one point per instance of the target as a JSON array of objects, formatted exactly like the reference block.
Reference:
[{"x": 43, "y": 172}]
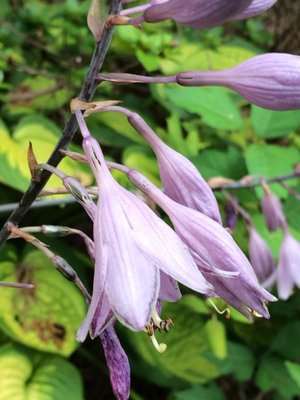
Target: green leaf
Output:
[
  {"x": 269, "y": 161},
  {"x": 216, "y": 336},
  {"x": 294, "y": 371},
  {"x": 190, "y": 56},
  {"x": 195, "y": 304},
  {"x": 286, "y": 343},
  {"x": 184, "y": 358},
  {"x": 211, "y": 392},
  {"x": 44, "y": 93},
  {"x": 142, "y": 159},
  {"x": 149, "y": 61},
  {"x": 213, "y": 104},
  {"x": 273, "y": 375},
  {"x": 118, "y": 123},
  {"x": 239, "y": 361},
  {"x": 271, "y": 124},
  {"x": 28, "y": 375},
  {"x": 44, "y": 135},
  {"x": 292, "y": 210},
  {"x": 46, "y": 317},
  {"x": 229, "y": 164}
]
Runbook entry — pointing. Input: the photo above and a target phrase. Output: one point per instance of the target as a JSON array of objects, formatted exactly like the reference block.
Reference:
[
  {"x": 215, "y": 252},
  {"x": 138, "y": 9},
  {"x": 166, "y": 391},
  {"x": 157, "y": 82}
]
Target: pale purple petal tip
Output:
[
  {"x": 255, "y": 8},
  {"x": 117, "y": 363}
]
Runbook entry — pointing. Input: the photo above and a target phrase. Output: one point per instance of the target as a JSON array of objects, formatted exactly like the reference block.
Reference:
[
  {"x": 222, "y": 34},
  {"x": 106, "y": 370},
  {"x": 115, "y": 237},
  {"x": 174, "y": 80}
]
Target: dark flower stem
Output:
[{"x": 86, "y": 93}]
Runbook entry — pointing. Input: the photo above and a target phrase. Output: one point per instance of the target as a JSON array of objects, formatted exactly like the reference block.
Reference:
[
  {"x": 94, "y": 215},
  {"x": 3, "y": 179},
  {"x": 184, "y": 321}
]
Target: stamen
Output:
[
  {"x": 160, "y": 347},
  {"x": 163, "y": 324},
  {"x": 226, "y": 310},
  {"x": 254, "y": 313},
  {"x": 166, "y": 324}
]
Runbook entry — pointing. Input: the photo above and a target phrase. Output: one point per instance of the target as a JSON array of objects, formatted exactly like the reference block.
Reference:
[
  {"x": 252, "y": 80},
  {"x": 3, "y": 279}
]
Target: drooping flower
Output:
[
  {"x": 269, "y": 80},
  {"x": 217, "y": 255},
  {"x": 198, "y": 14},
  {"x": 256, "y": 7},
  {"x": 272, "y": 211},
  {"x": 132, "y": 245},
  {"x": 288, "y": 270},
  {"x": 181, "y": 180},
  {"x": 260, "y": 255}
]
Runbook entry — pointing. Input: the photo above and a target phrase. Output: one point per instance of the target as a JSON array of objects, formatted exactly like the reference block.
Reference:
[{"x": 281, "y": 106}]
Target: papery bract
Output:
[
  {"x": 214, "y": 250},
  {"x": 269, "y": 80}
]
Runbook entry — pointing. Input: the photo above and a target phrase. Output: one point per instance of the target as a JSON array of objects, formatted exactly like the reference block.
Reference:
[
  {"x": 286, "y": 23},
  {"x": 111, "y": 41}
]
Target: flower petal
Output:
[
  {"x": 169, "y": 289},
  {"x": 117, "y": 362}
]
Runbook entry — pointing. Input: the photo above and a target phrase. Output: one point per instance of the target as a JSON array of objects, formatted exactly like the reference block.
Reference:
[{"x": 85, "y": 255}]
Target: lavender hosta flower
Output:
[
  {"x": 260, "y": 255},
  {"x": 132, "y": 244},
  {"x": 199, "y": 14},
  {"x": 288, "y": 269},
  {"x": 214, "y": 250},
  {"x": 117, "y": 363},
  {"x": 256, "y": 7},
  {"x": 181, "y": 180},
  {"x": 272, "y": 210},
  {"x": 269, "y": 80}
]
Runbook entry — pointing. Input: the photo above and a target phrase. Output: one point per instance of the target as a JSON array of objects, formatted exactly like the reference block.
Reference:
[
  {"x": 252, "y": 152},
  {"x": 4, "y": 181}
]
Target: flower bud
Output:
[
  {"x": 195, "y": 13},
  {"x": 269, "y": 80},
  {"x": 272, "y": 211}
]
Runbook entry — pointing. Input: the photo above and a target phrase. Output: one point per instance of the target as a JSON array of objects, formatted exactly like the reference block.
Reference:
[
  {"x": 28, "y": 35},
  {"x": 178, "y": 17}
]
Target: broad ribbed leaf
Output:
[
  {"x": 43, "y": 134},
  {"x": 28, "y": 375},
  {"x": 184, "y": 357},
  {"x": 269, "y": 161},
  {"x": 46, "y": 317}
]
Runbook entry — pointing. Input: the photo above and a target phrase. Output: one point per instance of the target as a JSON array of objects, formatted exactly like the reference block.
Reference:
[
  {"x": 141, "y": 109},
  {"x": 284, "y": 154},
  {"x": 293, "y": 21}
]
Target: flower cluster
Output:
[{"x": 140, "y": 259}]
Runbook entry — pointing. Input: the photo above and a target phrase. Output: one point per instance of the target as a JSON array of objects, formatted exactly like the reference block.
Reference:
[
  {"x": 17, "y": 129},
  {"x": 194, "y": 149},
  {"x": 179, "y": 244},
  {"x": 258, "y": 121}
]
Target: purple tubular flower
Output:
[
  {"x": 255, "y": 8},
  {"x": 260, "y": 255},
  {"x": 117, "y": 363},
  {"x": 288, "y": 270},
  {"x": 269, "y": 80},
  {"x": 132, "y": 244},
  {"x": 217, "y": 255},
  {"x": 272, "y": 210},
  {"x": 200, "y": 14},
  {"x": 181, "y": 180}
]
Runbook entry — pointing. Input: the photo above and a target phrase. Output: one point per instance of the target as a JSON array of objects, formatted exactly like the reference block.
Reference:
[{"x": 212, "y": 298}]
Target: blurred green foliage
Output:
[{"x": 45, "y": 48}]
